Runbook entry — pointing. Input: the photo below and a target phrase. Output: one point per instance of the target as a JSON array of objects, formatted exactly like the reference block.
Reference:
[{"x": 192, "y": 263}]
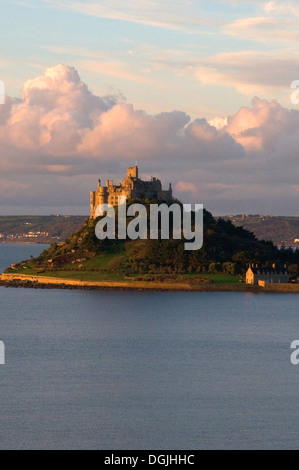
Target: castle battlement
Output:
[{"x": 132, "y": 187}]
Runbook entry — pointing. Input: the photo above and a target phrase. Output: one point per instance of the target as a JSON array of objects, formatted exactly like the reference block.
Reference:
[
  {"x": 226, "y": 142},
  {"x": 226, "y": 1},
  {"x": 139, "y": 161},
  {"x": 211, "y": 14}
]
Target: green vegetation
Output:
[
  {"x": 223, "y": 259},
  {"x": 221, "y": 278},
  {"x": 84, "y": 275}
]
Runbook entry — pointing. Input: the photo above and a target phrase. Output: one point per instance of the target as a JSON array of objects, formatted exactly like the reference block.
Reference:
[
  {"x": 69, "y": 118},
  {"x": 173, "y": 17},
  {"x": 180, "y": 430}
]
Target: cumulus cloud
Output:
[
  {"x": 262, "y": 126},
  {"x": 59, "y": 137}
]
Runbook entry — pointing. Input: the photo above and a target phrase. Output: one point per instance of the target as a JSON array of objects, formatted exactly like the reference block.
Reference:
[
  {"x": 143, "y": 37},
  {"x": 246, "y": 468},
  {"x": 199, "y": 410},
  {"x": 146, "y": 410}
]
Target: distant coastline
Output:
[
  {"x": 38, "y": 229},
  {"x": 282, "y": 230},
  {"x": 23, "y": 243},
  {"x": 20, "y": 242}
]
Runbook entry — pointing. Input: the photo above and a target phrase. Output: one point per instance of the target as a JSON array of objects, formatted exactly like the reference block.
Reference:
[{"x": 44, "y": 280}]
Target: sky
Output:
[{"x": 198, "y": 92}]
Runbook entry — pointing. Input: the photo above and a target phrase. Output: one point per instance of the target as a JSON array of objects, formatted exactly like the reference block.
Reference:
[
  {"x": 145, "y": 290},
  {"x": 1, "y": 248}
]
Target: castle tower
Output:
[
  {"x": 102, "y": 196},
  {"x": 131, "y": 187},
  {"x": 132, "y": 172}
]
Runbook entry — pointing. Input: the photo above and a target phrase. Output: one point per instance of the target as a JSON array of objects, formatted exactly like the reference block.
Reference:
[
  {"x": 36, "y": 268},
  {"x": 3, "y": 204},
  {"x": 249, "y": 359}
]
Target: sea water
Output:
[{"x": 124, "y": 370}]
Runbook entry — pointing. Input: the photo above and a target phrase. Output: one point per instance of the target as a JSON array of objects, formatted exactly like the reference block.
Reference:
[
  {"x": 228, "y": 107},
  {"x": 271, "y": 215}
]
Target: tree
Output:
[
  {"x": 294, "y": 271},
  {"x": 229, "y": 268}
]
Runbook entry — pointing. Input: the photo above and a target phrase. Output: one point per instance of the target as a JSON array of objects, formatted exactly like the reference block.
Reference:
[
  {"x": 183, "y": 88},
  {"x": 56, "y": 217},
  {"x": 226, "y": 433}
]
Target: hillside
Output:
[
  {"x": 281, "y": 230},
  {"x": 51, "y": 229},
  {"x": 38, "y": 229},
  {"x": 226, "y": 252}
]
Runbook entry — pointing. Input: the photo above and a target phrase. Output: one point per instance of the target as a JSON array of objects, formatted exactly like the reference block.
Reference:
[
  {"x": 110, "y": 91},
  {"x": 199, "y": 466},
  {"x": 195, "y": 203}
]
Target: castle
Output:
[{"x": 132, "y": 187}]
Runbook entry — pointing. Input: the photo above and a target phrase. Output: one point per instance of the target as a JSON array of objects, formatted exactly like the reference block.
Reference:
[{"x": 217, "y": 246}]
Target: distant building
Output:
[
  {"x": 131, "y": 187},
  {"x": 256, "y": 275}
]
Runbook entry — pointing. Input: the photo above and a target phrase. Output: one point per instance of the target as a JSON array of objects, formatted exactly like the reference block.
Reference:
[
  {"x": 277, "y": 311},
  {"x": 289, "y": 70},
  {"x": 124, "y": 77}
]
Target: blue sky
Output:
[
  {"x": 172, "y": 50},
  {"x": 214, "y": 75}
]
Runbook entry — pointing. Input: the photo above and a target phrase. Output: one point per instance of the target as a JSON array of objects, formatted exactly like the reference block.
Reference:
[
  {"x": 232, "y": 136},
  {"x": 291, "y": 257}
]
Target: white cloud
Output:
[
  {"x": 168, "y": 14},
  {"x": 250, "y": 72},
  {"x": 59, "y": 137}
]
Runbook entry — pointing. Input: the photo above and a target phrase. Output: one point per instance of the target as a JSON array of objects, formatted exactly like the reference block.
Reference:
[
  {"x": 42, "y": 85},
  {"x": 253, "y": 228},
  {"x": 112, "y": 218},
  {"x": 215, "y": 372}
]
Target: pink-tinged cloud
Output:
[
  {"x": 260, "y": 127},
  {"x": 59, "y": 131},
  {"x": 184, "y": 187}
]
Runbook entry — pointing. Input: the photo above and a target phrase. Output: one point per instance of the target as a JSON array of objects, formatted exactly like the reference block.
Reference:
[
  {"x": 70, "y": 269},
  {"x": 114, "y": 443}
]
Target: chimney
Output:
[
  {"x": 107, "y": 183},
  {"x": 99, "y": 183}
]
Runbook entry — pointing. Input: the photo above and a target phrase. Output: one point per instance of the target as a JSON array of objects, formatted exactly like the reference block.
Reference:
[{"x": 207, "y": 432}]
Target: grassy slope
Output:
[{"x": 100, "y": 268}]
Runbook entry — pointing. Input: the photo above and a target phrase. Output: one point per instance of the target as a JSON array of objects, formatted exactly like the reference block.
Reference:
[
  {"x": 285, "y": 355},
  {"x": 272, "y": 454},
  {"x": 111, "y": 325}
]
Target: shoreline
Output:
[
  {"x": 20, "y": 242},
  {"x": 40, "y": 282}
]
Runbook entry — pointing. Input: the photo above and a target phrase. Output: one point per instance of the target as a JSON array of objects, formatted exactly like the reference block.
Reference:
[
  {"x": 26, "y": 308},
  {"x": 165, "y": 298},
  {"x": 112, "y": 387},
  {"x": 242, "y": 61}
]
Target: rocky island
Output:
[{"x": 84, "y": 261}]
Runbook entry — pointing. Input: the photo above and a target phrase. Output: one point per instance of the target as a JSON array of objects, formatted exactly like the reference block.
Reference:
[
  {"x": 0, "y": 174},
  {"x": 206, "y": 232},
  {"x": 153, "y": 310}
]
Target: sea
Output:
[{"x": 107, "y": 370}]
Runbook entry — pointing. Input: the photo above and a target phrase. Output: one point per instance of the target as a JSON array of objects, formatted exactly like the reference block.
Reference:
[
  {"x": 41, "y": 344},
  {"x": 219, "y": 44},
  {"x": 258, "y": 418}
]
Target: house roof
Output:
[{"x": 269, "y": 270}]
